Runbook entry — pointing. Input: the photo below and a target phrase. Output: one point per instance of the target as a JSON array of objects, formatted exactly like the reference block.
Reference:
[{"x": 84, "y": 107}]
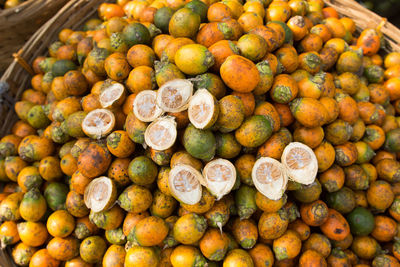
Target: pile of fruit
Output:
[{"x": 203, "y": 133}]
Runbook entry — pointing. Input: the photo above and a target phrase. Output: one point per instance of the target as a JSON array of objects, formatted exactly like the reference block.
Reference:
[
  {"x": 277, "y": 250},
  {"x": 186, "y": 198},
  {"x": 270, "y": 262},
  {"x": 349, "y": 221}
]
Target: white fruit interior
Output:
[
  {"x": 220, "y": 177},
  {"x": 269, "y": 177},
  {"x": 173, "y": 96},
  {"x": 145, "y": 107},
  {"x": 98, "y": 193},
  {"x": 161, "y": 133},
  {"x": 184, "y": 184},
  {"x": 201, "y": 108},
  {"x": 98, "y": 122},
  {"x": 111, "y": 94},
  {"x": 300, "y": 162}
]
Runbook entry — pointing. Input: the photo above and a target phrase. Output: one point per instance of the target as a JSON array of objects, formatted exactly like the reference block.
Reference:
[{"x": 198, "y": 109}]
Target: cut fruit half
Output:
[
  {"x": 98, "y": 123},
  {"x": 100, "y": 194},
  {"x": 300, "y": 162},
  {"x": 269, "y": 177},
  {"x": 145, "y": 107},
  {"x": 161, "y": 133},
  {"x": 203, "y": 109},
  {"x": 112, "y": 94},
  {"x": 174, "y": 96},
  {"x": 184, "y": 184},
  {"x": 219, "y": 177}
]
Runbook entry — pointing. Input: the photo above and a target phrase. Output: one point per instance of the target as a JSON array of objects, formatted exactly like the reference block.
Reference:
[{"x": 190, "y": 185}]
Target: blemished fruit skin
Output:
[
  {"x": 254, "y": 131},
  {"x": 200, "y": 144},
  {"x": 203, "y": 133}
]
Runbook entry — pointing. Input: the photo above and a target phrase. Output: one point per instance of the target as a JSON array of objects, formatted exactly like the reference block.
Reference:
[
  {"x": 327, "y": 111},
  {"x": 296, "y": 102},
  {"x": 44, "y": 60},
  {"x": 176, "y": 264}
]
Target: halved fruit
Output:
[
  {"x": 174, "y": 96},
  {"x": 300, "y": 162},
  {"x": 161, "y": 133},
  {"x": 98, "y": 123},
  {"x": 183, "y": 181},
  {"x": 269, "y": 177},
  {"x": 219, "y": 177},
  {"x": 100, "y": 194},
  {"x": 145, "y": 107},
  {"x": 112, "y": 94},
  {"x": 203, "y": 109}
]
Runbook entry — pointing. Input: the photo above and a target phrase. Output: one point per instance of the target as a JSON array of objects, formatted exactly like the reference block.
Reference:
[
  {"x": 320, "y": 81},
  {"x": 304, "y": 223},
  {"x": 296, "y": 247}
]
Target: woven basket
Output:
[
  {"x": 76, "y": 12},
  {"x": 19, "y": 23}
]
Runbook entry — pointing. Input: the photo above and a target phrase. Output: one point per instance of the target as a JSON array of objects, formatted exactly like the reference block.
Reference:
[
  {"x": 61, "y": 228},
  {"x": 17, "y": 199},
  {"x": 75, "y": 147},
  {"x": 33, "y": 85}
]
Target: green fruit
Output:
[
  {"x": 218, "y": 215},
  {"x": 199, "y": 143},
  {"x": 33, "y": 206},
  {"x": 308, "y": 193},
  {"x": 198, "y": 7},
  {"x": 392, "y": 143},
  {"x": 213, "y": 83},
  {"x": 115, "y": 236},
  {"x": 46, "y": 81},
  {"x": 73, "y": 124},
  {"x": 95, "y": 60},
  {"x": 136, "y": 33},
  {"x": 37, "y": 118},
  {"x": 163, "y": 205},
  {"x": 135, "y": 128},
  {"x": 47, "y": 64},
  {"x": 30, "y": 178},
  {"x": 169, "y": 241},
  {"x": 162, "y": 18},
  {"x": 142, "y": 170},
  {"x": 227, "y": 146},
  {"x": 22, "y": 108},
  {"x": 348, "y": 61},
  {"x": 343, "y": 200},
  {"x": 118, "y": 43},
  {"x": 62, "y": 66},
  {"x": 82, "y": 230},
  {"x": 53, "y": 48},
  {"x": 92, "y": 24},
  {"x": 292, "y": 211},
  {"x": 166, "y": 71},
  {"x": 55, "y": 195},
  {"x": 288, "y": 32},
  {"x": 266, "y": 78},
  {"x": 361, "y": 221},
  {"x": 135, "y": 198},
  {"x": 254, "y": 131},
  {"x": 107, "y": 219},
  {"x": 184, "y": 23},
  {"x": 365, "y": 152},
  {"x": 374, "y": 73},
  {"x": 58, "y": 135},
  {"x": 153, "y": 30},
  {"x": 245, "y": 201}
]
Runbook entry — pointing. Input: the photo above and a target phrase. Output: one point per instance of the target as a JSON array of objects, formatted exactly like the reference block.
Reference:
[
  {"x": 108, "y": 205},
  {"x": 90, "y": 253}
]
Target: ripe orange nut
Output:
[
  {"x": 298, "y": 26},
  {"x": 369, "y": 41},
  {"x": 240, "y": 74}
]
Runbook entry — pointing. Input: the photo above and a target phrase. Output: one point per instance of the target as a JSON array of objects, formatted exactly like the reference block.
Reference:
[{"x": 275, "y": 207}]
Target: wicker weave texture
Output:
[{"x": 19, "y": 23}]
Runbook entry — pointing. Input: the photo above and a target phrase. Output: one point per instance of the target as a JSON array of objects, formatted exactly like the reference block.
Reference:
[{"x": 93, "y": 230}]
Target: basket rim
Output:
[{"x": 35, "y": 39}]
